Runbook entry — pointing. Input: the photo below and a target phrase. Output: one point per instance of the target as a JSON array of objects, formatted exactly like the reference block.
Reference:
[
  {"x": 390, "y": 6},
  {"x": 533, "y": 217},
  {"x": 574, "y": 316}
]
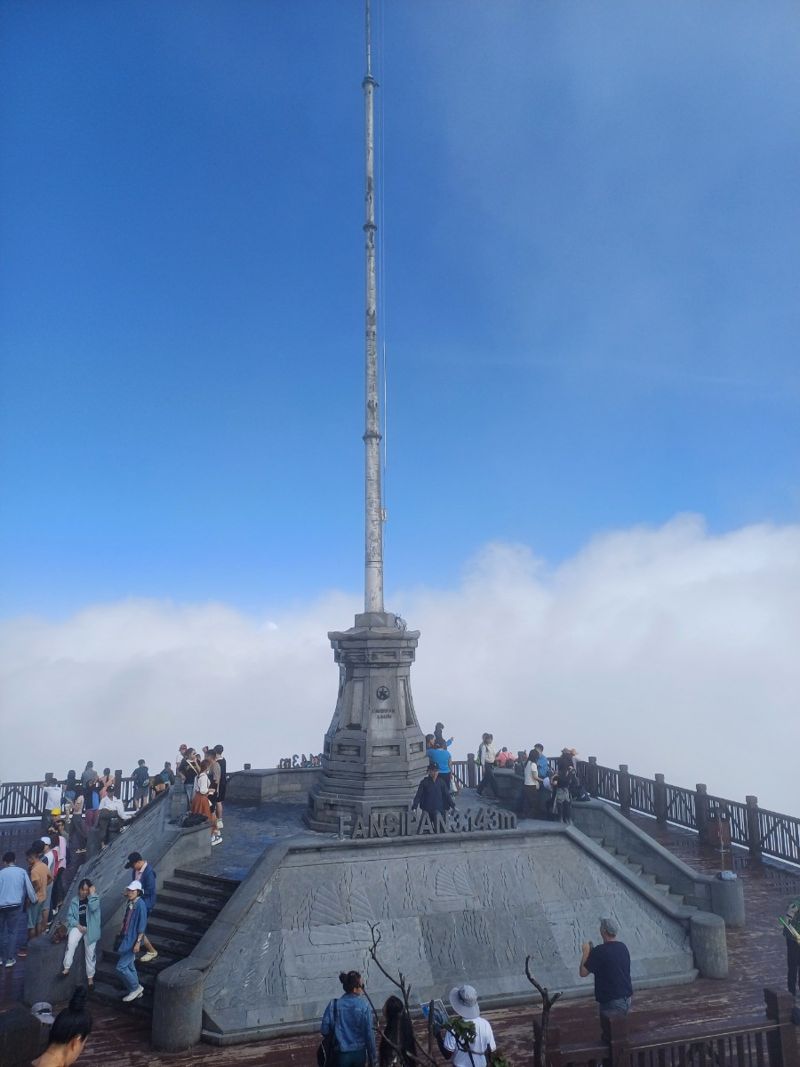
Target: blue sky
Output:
[{"x": 589, "y": 299}]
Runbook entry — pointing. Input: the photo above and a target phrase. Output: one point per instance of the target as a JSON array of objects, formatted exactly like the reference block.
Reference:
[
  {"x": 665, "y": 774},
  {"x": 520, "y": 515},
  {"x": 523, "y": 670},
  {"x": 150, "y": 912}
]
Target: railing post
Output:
[
  {"x": 660, "y": 799},
  {"x": 616, "y": 1027},
  {"x": 118, "y": 784},
  {"x": 701, "y": 811},
  {"x": 592, "y": 776},
  {"x": 247, "y": 766},
  {"x": 753, "y": 829},
  {"x": 551, "y": 1053},
  {"x": 472, "y": 771},
  {"x": 779, "y": 1010},
  {"x": 624, "y": 789}
]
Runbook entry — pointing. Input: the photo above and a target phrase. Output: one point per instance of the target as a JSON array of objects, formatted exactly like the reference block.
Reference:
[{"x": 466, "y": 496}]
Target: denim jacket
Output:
[{"x": 353, "y": 1024}]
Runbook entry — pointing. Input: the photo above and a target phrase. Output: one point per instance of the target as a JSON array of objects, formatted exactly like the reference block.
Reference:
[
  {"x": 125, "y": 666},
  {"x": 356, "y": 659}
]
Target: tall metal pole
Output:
[{"x": 373, "y": 569}]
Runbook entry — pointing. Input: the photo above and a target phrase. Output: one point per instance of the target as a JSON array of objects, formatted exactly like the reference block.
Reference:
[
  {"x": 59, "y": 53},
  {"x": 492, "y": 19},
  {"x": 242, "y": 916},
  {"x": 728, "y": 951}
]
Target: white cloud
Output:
[{"x": 668, "y": 649}]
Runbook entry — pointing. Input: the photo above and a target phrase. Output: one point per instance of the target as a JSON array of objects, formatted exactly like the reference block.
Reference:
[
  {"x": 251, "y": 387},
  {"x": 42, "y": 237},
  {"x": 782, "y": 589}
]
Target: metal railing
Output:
[
  {"x": 742, "y": 1042},
  {"x": 23, "y": 800}
]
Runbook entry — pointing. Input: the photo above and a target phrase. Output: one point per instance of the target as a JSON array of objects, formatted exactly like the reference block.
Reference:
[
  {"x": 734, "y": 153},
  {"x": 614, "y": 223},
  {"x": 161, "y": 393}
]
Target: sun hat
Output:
[
  {"x": 134, "y": 885},
  {"x": 464, "y": 999}
]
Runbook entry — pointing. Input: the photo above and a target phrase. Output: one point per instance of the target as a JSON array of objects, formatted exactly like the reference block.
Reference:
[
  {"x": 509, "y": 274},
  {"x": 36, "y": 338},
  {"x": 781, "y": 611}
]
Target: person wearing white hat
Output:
[
  {"x": 134, "y": 924},
  {"x": 464, "y": 1000}
]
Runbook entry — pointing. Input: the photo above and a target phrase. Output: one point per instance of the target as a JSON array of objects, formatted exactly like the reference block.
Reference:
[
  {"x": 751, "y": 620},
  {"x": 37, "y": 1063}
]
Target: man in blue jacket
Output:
[
  {"x": 134, "y": 924},
  {"x": 143, "y": 872},
  {"x": 15, "y": 886}
]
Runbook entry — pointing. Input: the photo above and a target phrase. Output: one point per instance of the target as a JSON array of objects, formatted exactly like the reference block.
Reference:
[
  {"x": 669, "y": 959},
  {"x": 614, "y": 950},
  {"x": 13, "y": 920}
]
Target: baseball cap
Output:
[
  {"x": 134, "y": 885},
  {"x": 133, "y": 858}
]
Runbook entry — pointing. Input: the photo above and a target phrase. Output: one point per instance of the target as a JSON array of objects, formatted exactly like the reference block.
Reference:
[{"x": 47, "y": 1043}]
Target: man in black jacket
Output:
[{"x": 432, "y": 794}]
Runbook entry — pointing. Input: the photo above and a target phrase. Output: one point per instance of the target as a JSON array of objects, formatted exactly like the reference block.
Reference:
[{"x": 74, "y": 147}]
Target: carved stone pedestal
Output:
[{"x": 374, "y": 753}]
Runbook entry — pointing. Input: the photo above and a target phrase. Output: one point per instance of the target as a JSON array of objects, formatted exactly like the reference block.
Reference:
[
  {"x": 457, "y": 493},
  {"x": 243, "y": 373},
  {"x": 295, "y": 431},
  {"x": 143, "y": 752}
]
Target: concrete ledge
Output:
[{"x": 256, "y": 787}]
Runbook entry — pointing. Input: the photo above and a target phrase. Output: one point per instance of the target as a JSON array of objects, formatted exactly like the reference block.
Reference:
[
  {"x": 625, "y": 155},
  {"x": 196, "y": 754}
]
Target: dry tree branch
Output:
[{"x": 419, "y": 1056}]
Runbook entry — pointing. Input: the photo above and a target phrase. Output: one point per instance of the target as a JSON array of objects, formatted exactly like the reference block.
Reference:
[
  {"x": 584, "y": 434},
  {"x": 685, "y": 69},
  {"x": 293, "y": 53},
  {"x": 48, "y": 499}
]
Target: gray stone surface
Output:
[
  {"x": 727, "y": 900},
  {"x": 178, "y": 1008},
  {"x": 261, "y": 786},
  {"x": 449, "y": 910},
  {"x": 709, "y": 944},
  {"x": 374, "y": 750}
]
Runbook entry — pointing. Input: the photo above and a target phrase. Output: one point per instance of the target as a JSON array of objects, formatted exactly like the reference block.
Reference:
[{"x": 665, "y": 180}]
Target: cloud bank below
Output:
[{"x": 668, "y": 649}]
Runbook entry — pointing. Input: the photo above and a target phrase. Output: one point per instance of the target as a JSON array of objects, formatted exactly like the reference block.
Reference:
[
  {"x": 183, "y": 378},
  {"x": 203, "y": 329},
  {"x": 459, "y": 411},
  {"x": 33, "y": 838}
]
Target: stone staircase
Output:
[
  {"x": 186, "y": 906},
  {"x": 644, "y": 876}
]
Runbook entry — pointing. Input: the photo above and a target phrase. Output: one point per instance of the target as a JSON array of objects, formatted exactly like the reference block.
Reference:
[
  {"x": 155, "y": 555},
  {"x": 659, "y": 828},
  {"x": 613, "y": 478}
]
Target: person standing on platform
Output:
[
  {"x": 530, "y": 788},
  {"x": 486, "y": 756},
  {"x": 201, "y": 804},
  {"x": 439, "y": 755},
  {"x": 109, "y": 807},
  {"x": 222, "y": 763},
  {"x": 349, "y": 1018},
  {"x": 474, "y": 1053},
  {"x": 791, "y": 931},
  {"x": 432, "y": 794},
  {"x": 438, "y": 735},
  {"x": 51, "y": 801},
  {"x": 141, "y": 785},
  {"x": 83, "y": 924},
  {"x": 40, "y": 879},
  {"x": 610, "y": 963},
  {"x": 144, "y": 873},
  {"x": 134, "y": 924},
  {"x": 397, "y": 1046},
  {"x": 15, "y": 887}
]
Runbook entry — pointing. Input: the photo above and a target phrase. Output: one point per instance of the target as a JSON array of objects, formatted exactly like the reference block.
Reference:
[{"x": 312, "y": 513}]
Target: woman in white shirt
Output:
[
  {"x": 201, "y": 805},
  {"x": 530, "y": 788}
]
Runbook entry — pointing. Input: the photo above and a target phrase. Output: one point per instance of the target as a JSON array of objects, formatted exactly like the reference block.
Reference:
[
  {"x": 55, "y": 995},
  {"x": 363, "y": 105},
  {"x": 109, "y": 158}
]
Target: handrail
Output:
[
  {"x": 761, "y": 832},
  {"x": 744, "y": 1041}
]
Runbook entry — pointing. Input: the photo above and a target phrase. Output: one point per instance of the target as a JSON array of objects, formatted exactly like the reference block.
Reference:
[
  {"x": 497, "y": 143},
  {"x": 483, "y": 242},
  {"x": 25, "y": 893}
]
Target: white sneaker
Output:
[
  {"x": 216, "y": 839},
  {"x": 148, "y": 956},
  {"x": 134, "y": 994},
  {"x": 10, "y": 963}
]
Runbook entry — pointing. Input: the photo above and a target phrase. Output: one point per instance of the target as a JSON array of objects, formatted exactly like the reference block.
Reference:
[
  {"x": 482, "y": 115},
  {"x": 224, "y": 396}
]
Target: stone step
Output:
[
  {"x": 108, "y": 993},
  {"x": 192, "y": 889},
  {"x": 661, "y": 888},
  {"x": 218, "y": 880},
  {"x": 181, "y": 902},
  {"x": 635, "y": 868},
  {"x": 160, "y": 963},
  {"x": 107, "y": 974},
  {"x": 186, "y": 917},
  {"x": 174, "y": 931},
  {"x": 646, "y": 877}
]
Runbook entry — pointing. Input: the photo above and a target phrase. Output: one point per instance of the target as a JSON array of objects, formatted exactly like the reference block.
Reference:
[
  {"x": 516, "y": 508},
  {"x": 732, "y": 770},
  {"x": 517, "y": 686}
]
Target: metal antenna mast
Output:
[{"x": 373, "y": 560}]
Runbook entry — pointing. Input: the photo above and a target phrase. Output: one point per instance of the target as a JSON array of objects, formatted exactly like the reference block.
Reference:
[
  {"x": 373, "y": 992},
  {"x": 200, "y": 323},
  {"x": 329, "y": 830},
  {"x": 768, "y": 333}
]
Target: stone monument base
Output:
[{"x": 451, "y": 908}]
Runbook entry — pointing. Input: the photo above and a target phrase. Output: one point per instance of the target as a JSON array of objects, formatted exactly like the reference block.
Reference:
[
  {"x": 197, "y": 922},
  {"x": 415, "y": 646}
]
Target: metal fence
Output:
[{"x": 24, "y": 800}]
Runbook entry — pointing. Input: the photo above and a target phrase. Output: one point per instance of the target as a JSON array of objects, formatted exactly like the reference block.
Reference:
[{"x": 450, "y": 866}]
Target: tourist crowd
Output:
[
  {"x": 70, "y": 810},
  {"x": 547, "y": 791}
]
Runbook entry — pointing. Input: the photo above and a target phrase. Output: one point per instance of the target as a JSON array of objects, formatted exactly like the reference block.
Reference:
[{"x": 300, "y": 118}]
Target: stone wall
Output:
[
  {"x": 258, "y": 786},
  {"x": 449, "y": 911}
]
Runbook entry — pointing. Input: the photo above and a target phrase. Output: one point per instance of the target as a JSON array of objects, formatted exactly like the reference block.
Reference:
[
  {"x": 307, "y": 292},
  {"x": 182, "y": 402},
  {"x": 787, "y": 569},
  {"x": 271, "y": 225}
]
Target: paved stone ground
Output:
[{"x": 757, "y": 956}]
